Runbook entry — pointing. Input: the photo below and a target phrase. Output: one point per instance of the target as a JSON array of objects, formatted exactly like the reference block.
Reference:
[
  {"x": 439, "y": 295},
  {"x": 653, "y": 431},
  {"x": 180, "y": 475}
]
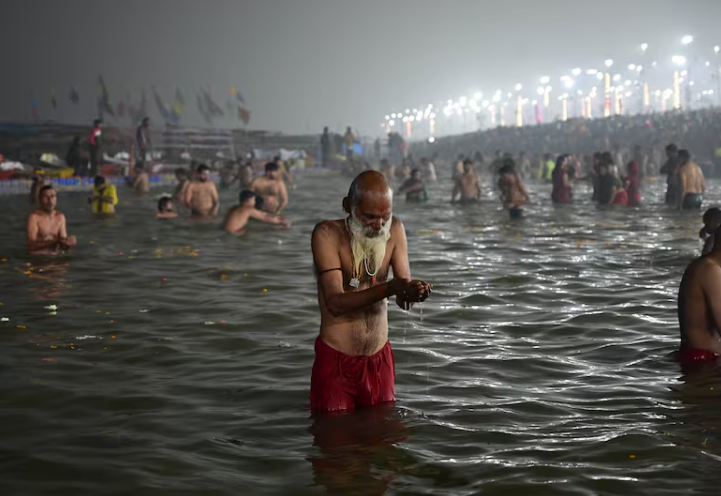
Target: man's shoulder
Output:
[{"x": 329, "y": 230}]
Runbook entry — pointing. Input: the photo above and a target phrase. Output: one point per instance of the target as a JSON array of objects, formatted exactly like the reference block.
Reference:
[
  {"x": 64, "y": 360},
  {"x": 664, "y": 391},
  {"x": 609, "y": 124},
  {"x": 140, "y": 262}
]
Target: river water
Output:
[{"x": 163, "y": 358}]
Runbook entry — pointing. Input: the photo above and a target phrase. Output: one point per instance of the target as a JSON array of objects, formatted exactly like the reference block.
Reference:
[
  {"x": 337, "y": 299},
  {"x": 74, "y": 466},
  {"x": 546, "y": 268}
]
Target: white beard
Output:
[{"x": 366, "y": 243}]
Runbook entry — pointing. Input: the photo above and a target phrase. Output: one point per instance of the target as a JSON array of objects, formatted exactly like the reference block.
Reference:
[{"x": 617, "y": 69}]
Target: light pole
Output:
[
  {"x": 546, "y": 98},
  {"x": 607, "y": 102},
  {"x": 679, "y": 60},
  {"x": 716, "y": 50},
  {"x": 686, "y": 41}
]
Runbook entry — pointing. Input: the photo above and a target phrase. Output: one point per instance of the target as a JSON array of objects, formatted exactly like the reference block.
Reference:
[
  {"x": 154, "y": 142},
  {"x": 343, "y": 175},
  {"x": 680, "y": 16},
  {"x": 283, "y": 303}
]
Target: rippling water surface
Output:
[{"x": 178, "y": 359}]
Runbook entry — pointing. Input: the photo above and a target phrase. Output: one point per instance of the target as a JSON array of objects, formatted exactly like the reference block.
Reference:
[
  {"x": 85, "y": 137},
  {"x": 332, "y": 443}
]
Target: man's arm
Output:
[
  {"x": 216, "y": 199},
  {"x": 711, "y": 286},
  {"x": 326, "y": 256},
  {"x": 266, "y": 217},
  {"x": 666, "y": 168},
  {"x": 456, "y": 190},
  {"x": 188, "y": 194},
  {"x": 283, "y": 194},
  {"x": 63, "y": 239},
  {"x": 681, "y": 189},
  {"x": 522, "y": 187}
]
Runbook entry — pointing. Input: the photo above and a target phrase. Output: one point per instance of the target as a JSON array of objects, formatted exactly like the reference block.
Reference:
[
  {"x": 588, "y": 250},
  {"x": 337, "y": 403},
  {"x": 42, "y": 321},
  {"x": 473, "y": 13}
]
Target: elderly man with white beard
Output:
[{"x": 354, "y": 365}]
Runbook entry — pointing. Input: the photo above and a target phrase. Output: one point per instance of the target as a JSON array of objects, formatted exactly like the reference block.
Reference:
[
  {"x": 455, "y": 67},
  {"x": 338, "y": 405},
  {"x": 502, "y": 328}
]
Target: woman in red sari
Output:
[{"x": 633, "y": 185}]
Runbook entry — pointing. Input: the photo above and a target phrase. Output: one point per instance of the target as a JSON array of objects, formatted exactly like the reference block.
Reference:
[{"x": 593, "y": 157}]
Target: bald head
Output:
[
  {"x": 370, "y": 200},
  {"x": 368, "y": 184}
]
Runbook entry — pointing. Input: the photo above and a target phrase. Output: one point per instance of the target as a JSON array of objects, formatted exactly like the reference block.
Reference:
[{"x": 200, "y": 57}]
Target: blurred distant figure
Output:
[
  {"x": 404, "y": 171},
  {"x": 324, "y": 147},
  {"x": 691, "y": 185},
  {"x": 237, "y": 218},
  {"x": 181, "y": 175},
  {"x": 670, "y": 168},
  {"x": 428, "y": 170},
  {"x": 513, "y": 192},
  {"x": 524, "y": 165},
  {"x": 245, "y": 175},
  {"x": 467, "y": 185},
  {"x": 141, "y": 181},
  {"x": 271, "y": 189},
  {"x": 201, "y": 196},
  {"x": 37, "y": 183},
  {"x": 458, "y": 168},
  {"x": 142, "y": 141},
  {"x": 711, "y": 223},
  {"x": 73, "y": 159},
  {"x": 227, "y": 175},
  {"x": 166, "y": 208},
  {"x": 104, "y": 197},
  {"x": 387, "y": 169},
  {"x": 561, "y": 182},
  {"x": 94, "y": 145},
  {"x": 349, "y": 140},
  {"x": 633, "y": 184},
  {"x": 377, "y": 149},
  {"x": 414, "y": 189}
]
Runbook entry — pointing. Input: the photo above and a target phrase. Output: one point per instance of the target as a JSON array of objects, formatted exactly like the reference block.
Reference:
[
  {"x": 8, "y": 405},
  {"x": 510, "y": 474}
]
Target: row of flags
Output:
[{"x": 171, "y": 113}]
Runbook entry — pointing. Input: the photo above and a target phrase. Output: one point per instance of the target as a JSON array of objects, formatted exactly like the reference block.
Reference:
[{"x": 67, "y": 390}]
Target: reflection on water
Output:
[{"x": 169, "y": 358}]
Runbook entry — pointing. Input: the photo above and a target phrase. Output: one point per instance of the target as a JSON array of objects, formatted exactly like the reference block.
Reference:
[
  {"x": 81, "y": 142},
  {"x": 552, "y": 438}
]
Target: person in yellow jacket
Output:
[
  {"x": 545, "y": 170},
  {"x": 104, "y": 197}
]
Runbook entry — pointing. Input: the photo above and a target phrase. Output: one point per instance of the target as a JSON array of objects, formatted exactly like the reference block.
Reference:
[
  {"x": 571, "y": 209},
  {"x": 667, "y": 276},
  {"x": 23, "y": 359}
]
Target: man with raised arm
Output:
[
  {"x": 354, "y": 364},
  {"x": 46, "y": 232}
]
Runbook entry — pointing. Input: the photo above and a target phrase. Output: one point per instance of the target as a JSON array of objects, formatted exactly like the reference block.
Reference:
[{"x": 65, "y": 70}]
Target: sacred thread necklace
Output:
[{"x": 355, "y": 273}]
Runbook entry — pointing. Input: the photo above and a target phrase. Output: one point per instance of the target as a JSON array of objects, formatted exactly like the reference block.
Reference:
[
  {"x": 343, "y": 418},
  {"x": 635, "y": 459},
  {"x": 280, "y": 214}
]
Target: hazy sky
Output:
[{"x": 302, "y": 64}]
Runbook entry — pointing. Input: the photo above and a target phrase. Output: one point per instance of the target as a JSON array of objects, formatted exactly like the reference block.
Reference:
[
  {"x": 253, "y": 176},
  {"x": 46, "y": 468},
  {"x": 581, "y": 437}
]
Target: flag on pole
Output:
[
  {"x": 104, "y": 105},
  {"x": 236, "y": 94},
  {"x": 178, "y": 104},
  {"x": 213, "y": 109},
  {"x": 201, "y": 108},
  {"x": 243, "y": 115},
  {"x": 164, "y": 112}
]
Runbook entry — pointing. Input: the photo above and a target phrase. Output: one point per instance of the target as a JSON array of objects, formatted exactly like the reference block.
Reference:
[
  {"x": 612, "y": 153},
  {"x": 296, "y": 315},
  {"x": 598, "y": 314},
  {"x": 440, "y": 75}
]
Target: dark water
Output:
[{"x": 178, "y": 359}]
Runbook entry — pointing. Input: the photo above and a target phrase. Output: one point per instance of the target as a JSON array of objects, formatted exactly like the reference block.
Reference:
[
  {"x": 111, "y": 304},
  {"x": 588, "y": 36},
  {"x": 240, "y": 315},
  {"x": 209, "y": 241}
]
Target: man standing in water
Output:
[
  {"x": 699, "y": 307},
  {"x": 669, "y": 168},
  {"x": 46, "y": 233},
  {"x": 513, "y": 192},
  {"x": 237, "y": 218},
  {"x": 354, "y": 364},
  {"x": 201, "y": 196},
  {"x": 271, "y": 189},
  {"x": 104, "y": 197},
  {"x": 142, "y": 140},
  {"x": 141, "y": 181},
  {"x": 94, "y": 146},
  {"x": 691, "y": 185},
  {"x": 467, "y": 185}
]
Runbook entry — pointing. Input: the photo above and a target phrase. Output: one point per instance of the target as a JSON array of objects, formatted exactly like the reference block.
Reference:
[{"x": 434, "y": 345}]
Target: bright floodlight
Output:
[
  {"x": 690, "y": 83},
  {"x": 608, "y": 62},
  {"x": 576, "y": 72},
  {"x": 388, "y": 117},
  {"x": 687, "y": 40},
  {"x": 631, "y": 67},
  {"x": 639, "y": 68},
  {"x": 431, "y": 139},
  {"x": 678, "y": 59},
  {"x": 391, "y": 122},
  {"x": 644, "y": 46},
  {"x": 393, "y": 116},
  {"x": 616, "y": 77},
  {"x": 716, "y": 48},
  {"x": 592, "y": 72},
  {"x": 569, "y": 83},
  {"x": 545, "y": 80},
  {"x": 519, "y": 87},
  {"x": 549, "y": 88},
  {"x": 478, "y": 95},
  {"x": 708, "y": 63},
  {"x": 541, "y": 90},
  {"x": 463, "y": 100},
  {"x": 599, "y": 75}
]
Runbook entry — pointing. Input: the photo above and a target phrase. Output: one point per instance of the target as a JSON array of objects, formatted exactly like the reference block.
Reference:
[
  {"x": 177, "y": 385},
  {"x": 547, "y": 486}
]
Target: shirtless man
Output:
[
  {"x": 271, "y": 189},
  {"x": 201, "y": 197},
  {"x": 237, "y": 218},
  {"x": 46, "y": 232},
  {"x": 512, "y": 190},
  {"x": 141, "y": 182},
  {"x": 669, "y": 168},
  {"x": 699, "y": 307},
  {"x": 467, "y": 185},
  {"x": 711, "y": 222},
  {"x": 354, "y": 364},
  {"x": 691, "y": 185}
]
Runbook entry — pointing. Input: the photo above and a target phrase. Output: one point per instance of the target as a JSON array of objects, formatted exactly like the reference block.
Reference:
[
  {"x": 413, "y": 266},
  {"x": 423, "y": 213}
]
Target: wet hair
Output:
[
  {"x": 272, "y": 166},
  {"x": 97, "y": 122},
  {"x": 146, "y": 120},
  {"x": 259, "y": 202},
  {"x": 712, "y": 216},
  {"x": 45, "y": 188},
  {"x": 246, "y": 195},
  {"x": 163, "y": 203},
  {"x": 415, "y": 171},
  {"x": 607, "y": 158},
  {"x": 202, "y": 168},
  {"x": 468, "y": 161},
  {"x": 99, "y": 180},
  {"x": 684, "y": 155},
  {"x": 671, "y": 148},
  {"x": 509, "y": 165},
  {"x": 561, "y": 159}
]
